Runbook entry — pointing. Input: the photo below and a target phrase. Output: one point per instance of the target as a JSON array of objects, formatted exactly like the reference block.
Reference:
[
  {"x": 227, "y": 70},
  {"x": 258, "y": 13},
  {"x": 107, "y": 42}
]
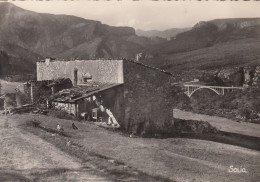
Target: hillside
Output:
[
  {"x": 26, "y": 36},
  {"x": 206, "y": 34},
  {"x": 211, "y": 45},
  {"x": 169, "y": 33}
]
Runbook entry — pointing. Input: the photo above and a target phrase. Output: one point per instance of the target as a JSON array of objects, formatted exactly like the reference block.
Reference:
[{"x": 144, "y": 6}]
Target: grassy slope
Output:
[
  {"x": 229, "y": 54},
  {"x": 176, "y": 158},
  {"x": 211, "y": 45},
  {"x": 163, "y": 34},
  {"x": 223, "y": 124}
]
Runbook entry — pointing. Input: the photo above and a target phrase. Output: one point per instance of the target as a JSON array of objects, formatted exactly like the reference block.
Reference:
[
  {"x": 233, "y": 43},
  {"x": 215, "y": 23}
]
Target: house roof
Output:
[
  {"x": 120, "y": 58},
  {"x": 74, "y": 94},
  {"x": 150, "y": 67}
]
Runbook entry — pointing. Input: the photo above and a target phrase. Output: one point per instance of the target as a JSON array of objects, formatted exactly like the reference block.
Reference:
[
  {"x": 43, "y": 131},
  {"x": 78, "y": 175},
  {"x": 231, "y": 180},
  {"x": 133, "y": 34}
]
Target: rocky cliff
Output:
[
  {"x": 247, "y": 76},
  {"x": 27, "y": 36},
  {"x": 256, "y": 77}
]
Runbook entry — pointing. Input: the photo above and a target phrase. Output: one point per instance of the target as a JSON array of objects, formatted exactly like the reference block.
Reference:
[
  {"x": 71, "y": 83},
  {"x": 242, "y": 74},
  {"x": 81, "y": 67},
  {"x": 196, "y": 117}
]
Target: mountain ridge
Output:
[
  {"x": 65, "y": 36},
  {"x": 27, "y": 36},
  {"x": 206, "y": 34},
  {"x": 210, "y": 46},
  {"x": 167, "y": 34}
]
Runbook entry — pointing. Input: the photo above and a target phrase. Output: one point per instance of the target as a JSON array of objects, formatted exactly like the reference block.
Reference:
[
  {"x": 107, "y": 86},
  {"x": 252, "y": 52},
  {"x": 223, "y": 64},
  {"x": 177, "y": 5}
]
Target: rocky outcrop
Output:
[
  {"x": 27, "y": 36},
  {"x": 231, "y": 77},
  {"x": 229, "y": 24},
  {"x": 256, "y": 78},
  {"x": 247, "y": 76}
]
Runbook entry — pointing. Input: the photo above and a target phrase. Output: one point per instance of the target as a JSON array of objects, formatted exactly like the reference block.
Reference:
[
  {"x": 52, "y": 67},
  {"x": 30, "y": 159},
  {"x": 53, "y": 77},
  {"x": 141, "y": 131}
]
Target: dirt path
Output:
[
  {"x": 223, "y": 124},
  {"x": 26, "y": 157}
]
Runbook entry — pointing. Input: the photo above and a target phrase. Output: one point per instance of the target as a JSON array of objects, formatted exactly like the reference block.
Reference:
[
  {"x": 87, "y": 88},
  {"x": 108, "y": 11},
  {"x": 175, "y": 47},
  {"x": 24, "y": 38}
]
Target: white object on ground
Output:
[{"x": 111, "y": 119}]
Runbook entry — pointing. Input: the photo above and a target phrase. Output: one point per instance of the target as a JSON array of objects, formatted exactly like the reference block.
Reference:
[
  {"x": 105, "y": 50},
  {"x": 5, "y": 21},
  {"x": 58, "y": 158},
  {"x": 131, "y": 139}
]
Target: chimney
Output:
[{"x": 75, "y": 77}]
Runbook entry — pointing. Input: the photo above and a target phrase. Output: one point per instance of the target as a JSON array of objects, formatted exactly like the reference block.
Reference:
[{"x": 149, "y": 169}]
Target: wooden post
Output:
[
  {"x": 75, "y": 77},
  {"x": 5, "y": 108},
  {"x": 52, "y": 90},
  {"x": 32, "y": 92}
]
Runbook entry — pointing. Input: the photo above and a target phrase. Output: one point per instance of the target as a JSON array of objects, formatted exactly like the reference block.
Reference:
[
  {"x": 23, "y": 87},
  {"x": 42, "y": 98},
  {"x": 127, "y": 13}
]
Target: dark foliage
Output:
[
  {"x": 60, "y": 114},
  {"x": 237, "y": 104}
]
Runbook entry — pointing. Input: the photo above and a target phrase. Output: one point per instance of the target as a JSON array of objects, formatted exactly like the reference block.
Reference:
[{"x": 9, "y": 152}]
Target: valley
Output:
[{"x": 81, "y": 100}]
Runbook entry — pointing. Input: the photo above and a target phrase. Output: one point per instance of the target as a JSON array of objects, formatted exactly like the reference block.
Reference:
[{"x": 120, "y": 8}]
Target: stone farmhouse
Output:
[{"x": 136, "y": 95}]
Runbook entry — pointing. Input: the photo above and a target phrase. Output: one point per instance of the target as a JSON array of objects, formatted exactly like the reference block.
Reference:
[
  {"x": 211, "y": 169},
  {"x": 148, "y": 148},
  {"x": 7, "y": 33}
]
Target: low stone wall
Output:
[{"x": 69, "y": 108}]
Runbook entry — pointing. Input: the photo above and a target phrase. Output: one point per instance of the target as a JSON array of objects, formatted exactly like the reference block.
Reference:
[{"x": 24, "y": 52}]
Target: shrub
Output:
[
  {"x": 33, "y": 123},
  {"x": 60, "y": 114},
  {"x": 244, "y": 112},
  {"x": 193, "y": 127},
  {"x": 1, "y": 104}
]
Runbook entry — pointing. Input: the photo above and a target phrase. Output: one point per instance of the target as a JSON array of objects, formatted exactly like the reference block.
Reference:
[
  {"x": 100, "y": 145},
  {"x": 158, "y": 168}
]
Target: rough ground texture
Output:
[
  {"x": 223, "y": 124},
  {"x": 179, "y": 159},
  {"x": 26, "y": 157}
]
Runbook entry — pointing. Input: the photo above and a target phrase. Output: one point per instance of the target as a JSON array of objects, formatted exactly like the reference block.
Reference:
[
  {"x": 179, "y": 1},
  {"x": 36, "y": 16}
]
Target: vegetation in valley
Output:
[{"x": 239, "y": 105}]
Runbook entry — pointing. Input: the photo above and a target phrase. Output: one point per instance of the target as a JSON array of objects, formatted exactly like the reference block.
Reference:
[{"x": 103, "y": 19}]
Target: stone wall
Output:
[
  {"x": 109, "y": 71},
  {"x": 70, "y": 108},
  {"x": 148, "y": 99},
  {"x": 36, "y": 91}
]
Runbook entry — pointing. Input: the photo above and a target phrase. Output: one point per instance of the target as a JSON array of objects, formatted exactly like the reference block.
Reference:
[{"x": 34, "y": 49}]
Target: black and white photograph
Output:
[{"x": 129, "y": 91}]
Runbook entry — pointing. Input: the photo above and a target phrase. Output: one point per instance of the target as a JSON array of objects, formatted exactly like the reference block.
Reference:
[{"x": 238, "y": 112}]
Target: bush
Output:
[
  {"x": 60, "y": 114},
  {"x": 1, "y": 104},
  {"x": 193, "y": 127},
  {"x": 176, "y": 128},
  {"x": 33, "y": 123},
  {"x": 232, "y": 104}
]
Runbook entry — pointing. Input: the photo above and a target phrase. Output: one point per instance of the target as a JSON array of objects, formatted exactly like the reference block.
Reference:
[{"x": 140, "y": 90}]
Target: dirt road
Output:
[
  {"x": 223, "y": 124},
  {"x": 26, "y": 157}
]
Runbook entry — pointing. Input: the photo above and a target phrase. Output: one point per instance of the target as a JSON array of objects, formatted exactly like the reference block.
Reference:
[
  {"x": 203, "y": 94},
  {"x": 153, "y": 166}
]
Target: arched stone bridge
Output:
[{"x": 191, "y": 89}]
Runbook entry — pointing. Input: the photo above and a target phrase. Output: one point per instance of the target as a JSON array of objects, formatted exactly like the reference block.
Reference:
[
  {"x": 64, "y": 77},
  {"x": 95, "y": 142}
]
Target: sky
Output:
[{"x": 146, "y": 14}]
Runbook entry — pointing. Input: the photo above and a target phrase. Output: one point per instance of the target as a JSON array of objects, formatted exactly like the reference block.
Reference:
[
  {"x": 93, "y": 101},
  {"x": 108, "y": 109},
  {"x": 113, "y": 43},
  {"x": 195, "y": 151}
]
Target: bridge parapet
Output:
[{"x": 191, "y": 89}]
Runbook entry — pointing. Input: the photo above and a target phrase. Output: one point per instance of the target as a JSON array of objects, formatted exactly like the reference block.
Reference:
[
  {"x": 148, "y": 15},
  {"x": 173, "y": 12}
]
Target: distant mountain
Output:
[
  {"x": 206, "y": 34},
  {"x": 167, "y": 34},
  {"x": 27, "y": 36},
  {"x": 211, "y": 45}
]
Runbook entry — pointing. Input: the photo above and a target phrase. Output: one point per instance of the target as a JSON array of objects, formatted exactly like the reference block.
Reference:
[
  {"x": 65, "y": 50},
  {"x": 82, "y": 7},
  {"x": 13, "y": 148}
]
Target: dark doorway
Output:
[{"x": 75, "y": 77}]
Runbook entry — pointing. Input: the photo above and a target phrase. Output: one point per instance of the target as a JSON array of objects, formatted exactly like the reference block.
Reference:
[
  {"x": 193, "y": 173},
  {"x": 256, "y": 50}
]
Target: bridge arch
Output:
[{"x": 214, "y": 90}]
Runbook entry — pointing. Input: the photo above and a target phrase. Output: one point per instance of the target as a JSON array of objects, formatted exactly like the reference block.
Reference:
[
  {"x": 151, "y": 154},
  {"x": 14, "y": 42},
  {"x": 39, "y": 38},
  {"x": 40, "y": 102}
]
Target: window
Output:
[
  {"x": 94, "y": 113},
  {"x": 87, "y": 77}
]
